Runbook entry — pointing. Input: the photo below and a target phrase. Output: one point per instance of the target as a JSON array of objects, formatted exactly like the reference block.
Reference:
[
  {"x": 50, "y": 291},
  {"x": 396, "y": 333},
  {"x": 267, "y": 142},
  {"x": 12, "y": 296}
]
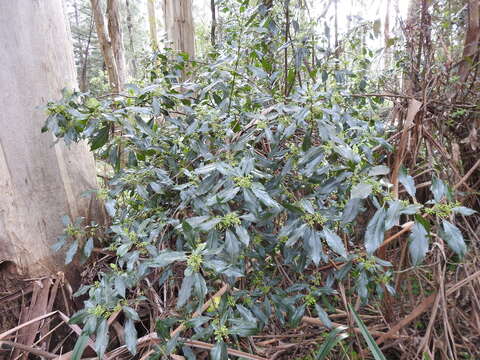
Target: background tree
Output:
[
  {"x": 39, "y": 182},
  {"x": 152, "y": 24},
  {"x": 179, "y": 25}
]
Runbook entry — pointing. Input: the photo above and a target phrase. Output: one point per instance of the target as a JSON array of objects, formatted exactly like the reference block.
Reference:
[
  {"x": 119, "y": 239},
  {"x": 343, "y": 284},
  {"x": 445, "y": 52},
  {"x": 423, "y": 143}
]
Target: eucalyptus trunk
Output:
[
  {"x": 152, "y": 24},
  {"x": 39, "y": 181},
  {"x": 116, "y": 40},
  {"x": 107, "y": 50},
  {"x": 179, "y": 25}
]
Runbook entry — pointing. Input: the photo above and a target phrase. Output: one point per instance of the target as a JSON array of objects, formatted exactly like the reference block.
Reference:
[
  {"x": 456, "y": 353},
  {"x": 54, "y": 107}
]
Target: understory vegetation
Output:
[{"x": 258, "y": 189}]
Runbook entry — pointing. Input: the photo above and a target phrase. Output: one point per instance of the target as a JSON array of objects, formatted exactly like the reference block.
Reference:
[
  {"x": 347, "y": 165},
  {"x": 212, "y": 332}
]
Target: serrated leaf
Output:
[
  {"x": 454, "y": 238},
  {"x": 123, "y": 249},
  {"x": 408, "y": 182},
  {"x": 315, "y": 245},
  {"x": 334, "y": 242},
  {"x": 130, "y": 336},
  {"x": 374, "y": 234},
  {"x": 130, "y": 313},
  {"x": 379, "y": 170},
  {"x": 101, "y": 342},
  {"x": 351, "y": 210},
  {"x": 232, "y": 246},
  {"x": 100, "y": 139},
  {"x": 219, "y": 351},
  {"x": 265, "y": 198},
  {"x": 59, "y": 244},
  {"x": 393, "y": 214},
  {"x": 185, "y": 290},
  {"x": 361, "y": 191},
  {"x": 110, "y": 207},
  {"x": 463, "y": 210},
  {"x": 418, "y": 244},
  {"x": 168, "y": 257},
  {"x": 438, "y": 188},
  {"x": 120, "y": 287},
  {"x": 88, "y": 247},
  {"x": 72, "y": 250},
  {"x": 323, "y": 316},
  {"x": 242, "y": 234}
]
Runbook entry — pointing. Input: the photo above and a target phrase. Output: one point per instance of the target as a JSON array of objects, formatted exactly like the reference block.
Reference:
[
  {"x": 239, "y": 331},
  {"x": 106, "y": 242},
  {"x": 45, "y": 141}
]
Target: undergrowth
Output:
[{"x": 253, "y": 172}]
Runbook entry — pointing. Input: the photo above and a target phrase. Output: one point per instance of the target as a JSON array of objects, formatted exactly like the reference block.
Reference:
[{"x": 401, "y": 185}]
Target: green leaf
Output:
[
  {"x": 393, "y": 214},
  {"x": 185, "y": 290},
  {"x": 372, "y": 345},
  {"x": 167, "y": 257},
  {"x": 79, "y": 347},
  {"x": 87, "y": 249},
  {"x": 361, "y": 191},
  {"x": 100, "y": 139},
  {"x": 379, "y": 170},
  {"x": 130, "y": 336},
  {"x": 351, "y": 210},
  {"x": 297, "y": 316},
  {"x": 323, "y": 316},
  {"x": 454, "y": 238},
  {"x": 110, "y": 207},
  {"x": 101, "y": 341},
  {"x": 315, "y": 245},
  {"x": 59, "y": 244},
  {"x": 242, "y": 234},
  {"x": 219, "y": 351},
  {"x": 232, "y": 246},
  {"x": 334, "y": 242},
  {"x": 463, "y": 210},
  {"x": 70, "y": 254},
  {"x": 130, "y": 313},
  {"x": 333, "y": 338},
  {"x": 374, "y": 234},
  {"x": 123, "y": 249},
  {"x": 438, "y": 188},
  {"x": 78, "y": 317},
  {"x": 418, "y": 244},
  {"x": 265, "y": 198},
  {"x": 408, "y": 182}
]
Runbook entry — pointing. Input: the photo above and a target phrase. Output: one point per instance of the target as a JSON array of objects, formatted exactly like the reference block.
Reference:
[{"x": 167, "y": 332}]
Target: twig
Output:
[
  {"x": 38, "y": 318},
  {"x": 29, "y": 349},
  {"x": 205, "y": 306},
  {"x": 238, "y": 353},
  {"x": 467, "y": 175}
]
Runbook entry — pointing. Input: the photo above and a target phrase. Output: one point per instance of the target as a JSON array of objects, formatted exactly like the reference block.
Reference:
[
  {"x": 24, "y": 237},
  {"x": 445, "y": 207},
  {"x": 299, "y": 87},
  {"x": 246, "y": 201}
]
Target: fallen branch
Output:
[
  {"x": 28, "y": 349},
  {"x": 16, "y": 328}
]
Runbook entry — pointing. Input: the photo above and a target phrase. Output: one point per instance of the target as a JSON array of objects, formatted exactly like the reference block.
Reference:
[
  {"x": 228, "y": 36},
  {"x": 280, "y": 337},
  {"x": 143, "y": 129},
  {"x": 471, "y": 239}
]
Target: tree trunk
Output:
[
  {"x": 152, "y": 23},
  {"x": 472, "y": 39},
  {"x": 213, "y": 26},
  {"x": 130, "y": 38},
  {"x": 83, "y": 83},
  {"x": 116, "y": 40},
  {"x": 106, "y": 47},
  {"x": 179, "y": 25},
  {"x": 39, "y": 182}
]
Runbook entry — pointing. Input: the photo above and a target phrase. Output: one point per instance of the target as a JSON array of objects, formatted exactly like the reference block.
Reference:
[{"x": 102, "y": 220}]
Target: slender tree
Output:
[
  {"x": 179, "y": 25},
  {"x": 130, "y": 38},
  {"x": 39, "y": 181},
  {"x": 152, "y": 24},
  {"x": 116, "y": 40},
  {"x": 107, "y": 50}
]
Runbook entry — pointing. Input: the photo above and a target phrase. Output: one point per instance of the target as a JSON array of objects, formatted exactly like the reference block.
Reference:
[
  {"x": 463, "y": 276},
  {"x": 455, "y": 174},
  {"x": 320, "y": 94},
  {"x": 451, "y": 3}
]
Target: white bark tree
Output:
[
  {"x": 179, "y": 25},
  {"x": 39, "y": 181}
]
